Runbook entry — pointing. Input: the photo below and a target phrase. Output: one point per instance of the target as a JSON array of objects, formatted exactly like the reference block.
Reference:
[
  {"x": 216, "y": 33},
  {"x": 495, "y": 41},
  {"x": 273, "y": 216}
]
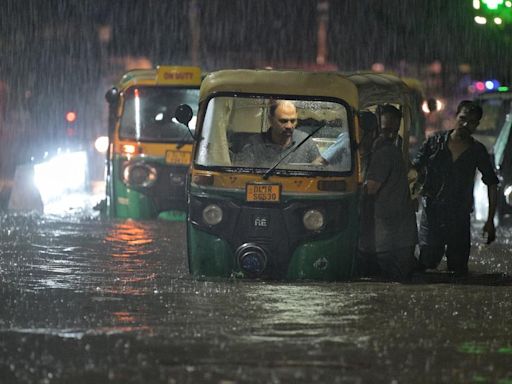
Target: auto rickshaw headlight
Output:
[
  {"x": 313, "y": 220},
  {"x": 139, "y": 175},
  {"x": 212, "y": 214}
]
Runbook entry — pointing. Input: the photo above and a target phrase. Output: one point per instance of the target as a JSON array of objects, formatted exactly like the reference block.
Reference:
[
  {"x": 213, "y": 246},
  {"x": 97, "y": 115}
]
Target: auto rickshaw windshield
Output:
[
  {"x": 248, "y": 132},
  {"x": 148, "y": 113}
]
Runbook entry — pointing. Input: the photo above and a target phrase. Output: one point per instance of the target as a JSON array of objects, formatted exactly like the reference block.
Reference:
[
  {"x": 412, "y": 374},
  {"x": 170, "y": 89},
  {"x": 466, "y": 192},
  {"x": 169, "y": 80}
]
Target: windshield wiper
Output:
[{"x": 273, "y": 168}]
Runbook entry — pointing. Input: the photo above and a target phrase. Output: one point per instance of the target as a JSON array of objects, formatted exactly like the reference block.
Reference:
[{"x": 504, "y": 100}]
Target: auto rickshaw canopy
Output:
[
  {"x": 277, "y": 82},
  {"x": 380, "y": 88}
]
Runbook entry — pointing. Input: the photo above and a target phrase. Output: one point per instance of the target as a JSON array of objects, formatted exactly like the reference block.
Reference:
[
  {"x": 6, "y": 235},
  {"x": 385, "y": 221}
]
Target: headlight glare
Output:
[{"x": 139, "y": 175}]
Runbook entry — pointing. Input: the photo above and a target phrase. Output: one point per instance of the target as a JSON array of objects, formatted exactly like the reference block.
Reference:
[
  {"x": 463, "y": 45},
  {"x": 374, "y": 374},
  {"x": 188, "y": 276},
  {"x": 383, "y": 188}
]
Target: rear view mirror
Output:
[
  {"x": 112, "y": 95},
  {"x": 184, "y": 114}
]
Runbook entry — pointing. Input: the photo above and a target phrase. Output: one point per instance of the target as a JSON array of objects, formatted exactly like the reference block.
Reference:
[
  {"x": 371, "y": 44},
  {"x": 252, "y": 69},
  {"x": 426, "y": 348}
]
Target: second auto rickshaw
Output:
[{"x": 150, "y": 152}]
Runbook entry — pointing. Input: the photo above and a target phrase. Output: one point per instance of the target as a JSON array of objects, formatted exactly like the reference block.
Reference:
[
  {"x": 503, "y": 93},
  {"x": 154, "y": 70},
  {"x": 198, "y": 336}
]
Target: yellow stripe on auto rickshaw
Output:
[
  {"x": 124, "y": 148},
  {"x": 164, "y": 75},
  {"x": 294, "y": 184},
  {"x": 176, "y": 75}
]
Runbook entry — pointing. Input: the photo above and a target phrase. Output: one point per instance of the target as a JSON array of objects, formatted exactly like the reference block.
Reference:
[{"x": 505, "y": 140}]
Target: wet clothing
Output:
[
  {"x": 388, "y": 221},
  {"x": 260, "y": 150},
  {"x": 448, "y": 199}
]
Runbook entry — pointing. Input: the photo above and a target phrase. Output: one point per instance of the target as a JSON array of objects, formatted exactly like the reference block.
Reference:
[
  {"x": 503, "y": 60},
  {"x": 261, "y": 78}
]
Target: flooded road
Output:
[{"x": 84, "y": 300}]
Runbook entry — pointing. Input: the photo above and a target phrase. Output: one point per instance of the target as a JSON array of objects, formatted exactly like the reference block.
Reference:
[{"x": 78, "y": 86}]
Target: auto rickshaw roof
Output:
[
  {"x": 380, "y": 88},
  {"x": 280, "y": 82}
]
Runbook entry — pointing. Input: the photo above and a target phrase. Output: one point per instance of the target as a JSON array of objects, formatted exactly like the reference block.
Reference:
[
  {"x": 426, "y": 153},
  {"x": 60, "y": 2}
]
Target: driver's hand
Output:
[{"x": 412, "y": 176}]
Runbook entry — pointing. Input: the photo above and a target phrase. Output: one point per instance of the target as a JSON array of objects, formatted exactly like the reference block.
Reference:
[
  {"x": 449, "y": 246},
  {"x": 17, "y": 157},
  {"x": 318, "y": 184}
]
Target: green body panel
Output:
[
  {"x": 130, "y": 203},
  {"x": 208, "y": 255},
  {"x": 326, "y": 259},
  {"x": 127, "y": 203},
  {"x": 174, "y": 215}
]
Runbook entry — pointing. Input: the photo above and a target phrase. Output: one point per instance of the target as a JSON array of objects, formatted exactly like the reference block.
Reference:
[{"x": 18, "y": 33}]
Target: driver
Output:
[{"x": 280, "y": 139}]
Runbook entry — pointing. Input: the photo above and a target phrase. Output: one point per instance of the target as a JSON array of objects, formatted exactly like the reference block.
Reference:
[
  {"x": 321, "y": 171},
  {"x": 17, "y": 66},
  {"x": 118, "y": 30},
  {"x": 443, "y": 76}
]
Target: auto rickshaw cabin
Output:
[{"x": 281, "y": 214}]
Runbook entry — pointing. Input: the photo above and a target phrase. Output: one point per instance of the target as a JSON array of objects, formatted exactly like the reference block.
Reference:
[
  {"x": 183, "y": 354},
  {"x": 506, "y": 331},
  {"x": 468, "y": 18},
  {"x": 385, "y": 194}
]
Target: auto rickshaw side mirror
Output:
[
  {"x": 112, "y": 96},
  {"x": 184, "y": 115}
]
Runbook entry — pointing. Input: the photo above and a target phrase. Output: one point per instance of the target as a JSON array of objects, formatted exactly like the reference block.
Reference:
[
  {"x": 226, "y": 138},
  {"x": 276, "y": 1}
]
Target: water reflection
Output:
[
  {"x": 128, "y": 236},
  {"x": 115, "y": 293},
  {"x": 304, "y": 311}
]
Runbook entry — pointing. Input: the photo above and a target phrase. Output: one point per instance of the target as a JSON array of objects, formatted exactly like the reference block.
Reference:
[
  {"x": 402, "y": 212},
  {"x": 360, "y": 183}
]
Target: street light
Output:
[{"x": 498, "y": 12}]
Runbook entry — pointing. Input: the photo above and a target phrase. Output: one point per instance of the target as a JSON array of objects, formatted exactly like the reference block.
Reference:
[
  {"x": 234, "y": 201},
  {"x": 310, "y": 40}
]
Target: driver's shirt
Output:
[{"x": 260, "y": 150}]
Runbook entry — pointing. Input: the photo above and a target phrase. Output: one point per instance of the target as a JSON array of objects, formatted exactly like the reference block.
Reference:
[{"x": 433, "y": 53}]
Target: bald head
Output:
[{"x": 283, "y": 120}]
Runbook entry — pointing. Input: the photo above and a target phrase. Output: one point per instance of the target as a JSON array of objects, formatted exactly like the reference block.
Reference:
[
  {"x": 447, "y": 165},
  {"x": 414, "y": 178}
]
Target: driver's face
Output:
[{"x": 284, "y": 120}]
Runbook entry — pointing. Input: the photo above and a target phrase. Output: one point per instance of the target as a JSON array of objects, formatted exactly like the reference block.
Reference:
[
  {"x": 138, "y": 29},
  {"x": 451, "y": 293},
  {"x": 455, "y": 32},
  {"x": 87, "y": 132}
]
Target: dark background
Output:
[
  {"x": 52, "y": 58},
  {"x": 61, "y": 35}
]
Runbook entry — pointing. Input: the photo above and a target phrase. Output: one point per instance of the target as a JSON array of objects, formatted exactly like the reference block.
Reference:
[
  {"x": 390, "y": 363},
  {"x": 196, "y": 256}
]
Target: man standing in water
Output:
[
  {"x": 388, "y": 232},
  {"x": 448, "y": 161}
]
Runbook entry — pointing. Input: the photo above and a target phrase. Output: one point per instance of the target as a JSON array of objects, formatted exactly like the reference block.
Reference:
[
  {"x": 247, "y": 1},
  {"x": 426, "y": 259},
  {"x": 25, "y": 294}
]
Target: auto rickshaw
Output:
[
  {"x": 502, "y": 156},
  {"x": 493, "y": 131},
  {"x": 266, "y": 217},
  {"x": 496, "y": 107},
  {"x": 149, "y": 151}
]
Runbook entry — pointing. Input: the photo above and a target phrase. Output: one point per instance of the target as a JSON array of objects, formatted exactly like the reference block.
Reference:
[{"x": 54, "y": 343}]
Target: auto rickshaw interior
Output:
[
  {"x": 231, "y": 122},
  {"x": 149, "y": 113}
]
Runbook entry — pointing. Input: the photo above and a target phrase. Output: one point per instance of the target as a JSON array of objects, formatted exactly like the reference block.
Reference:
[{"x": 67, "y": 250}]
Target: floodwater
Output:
[{"x": 85, "y": 300}]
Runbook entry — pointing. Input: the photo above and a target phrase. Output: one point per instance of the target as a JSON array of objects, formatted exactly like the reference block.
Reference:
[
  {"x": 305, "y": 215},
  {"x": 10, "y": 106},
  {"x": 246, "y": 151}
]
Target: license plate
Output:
[
  {"x": 178, "y": 157},
  {"x": 269, "y": 193}
]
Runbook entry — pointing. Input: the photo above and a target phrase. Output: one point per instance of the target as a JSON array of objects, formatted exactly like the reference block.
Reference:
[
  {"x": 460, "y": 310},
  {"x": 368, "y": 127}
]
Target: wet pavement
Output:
[{"x": 85, "y": 300}]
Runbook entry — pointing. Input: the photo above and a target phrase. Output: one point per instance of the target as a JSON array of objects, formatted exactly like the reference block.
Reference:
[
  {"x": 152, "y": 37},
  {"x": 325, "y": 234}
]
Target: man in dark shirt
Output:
[
  {"x": 449, "y": 161},
  {"x": 388, "y": 232},
  {"x": 280, "y": 139}
]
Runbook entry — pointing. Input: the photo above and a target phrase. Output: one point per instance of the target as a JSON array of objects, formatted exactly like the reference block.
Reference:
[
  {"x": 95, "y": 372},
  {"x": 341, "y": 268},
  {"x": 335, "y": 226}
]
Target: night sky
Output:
[{"x": 53, "y": 45}]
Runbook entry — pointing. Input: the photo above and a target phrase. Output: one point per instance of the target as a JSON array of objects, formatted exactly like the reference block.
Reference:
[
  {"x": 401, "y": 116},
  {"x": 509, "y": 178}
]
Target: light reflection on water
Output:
[{"x": 303, "y": 311}]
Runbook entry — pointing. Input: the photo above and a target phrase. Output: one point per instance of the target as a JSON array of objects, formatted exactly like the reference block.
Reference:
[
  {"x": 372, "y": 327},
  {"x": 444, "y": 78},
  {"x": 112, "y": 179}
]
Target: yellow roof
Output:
[
  {"x": 162, "y": 75},
  {"x": 277, "y": 82}
]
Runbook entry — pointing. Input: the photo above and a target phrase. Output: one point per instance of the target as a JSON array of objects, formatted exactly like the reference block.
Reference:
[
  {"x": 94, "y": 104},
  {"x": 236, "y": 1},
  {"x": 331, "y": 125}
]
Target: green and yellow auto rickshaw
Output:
[
  {"x": 275, "y": 217},
  {"x": 149, "y": 151}
]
